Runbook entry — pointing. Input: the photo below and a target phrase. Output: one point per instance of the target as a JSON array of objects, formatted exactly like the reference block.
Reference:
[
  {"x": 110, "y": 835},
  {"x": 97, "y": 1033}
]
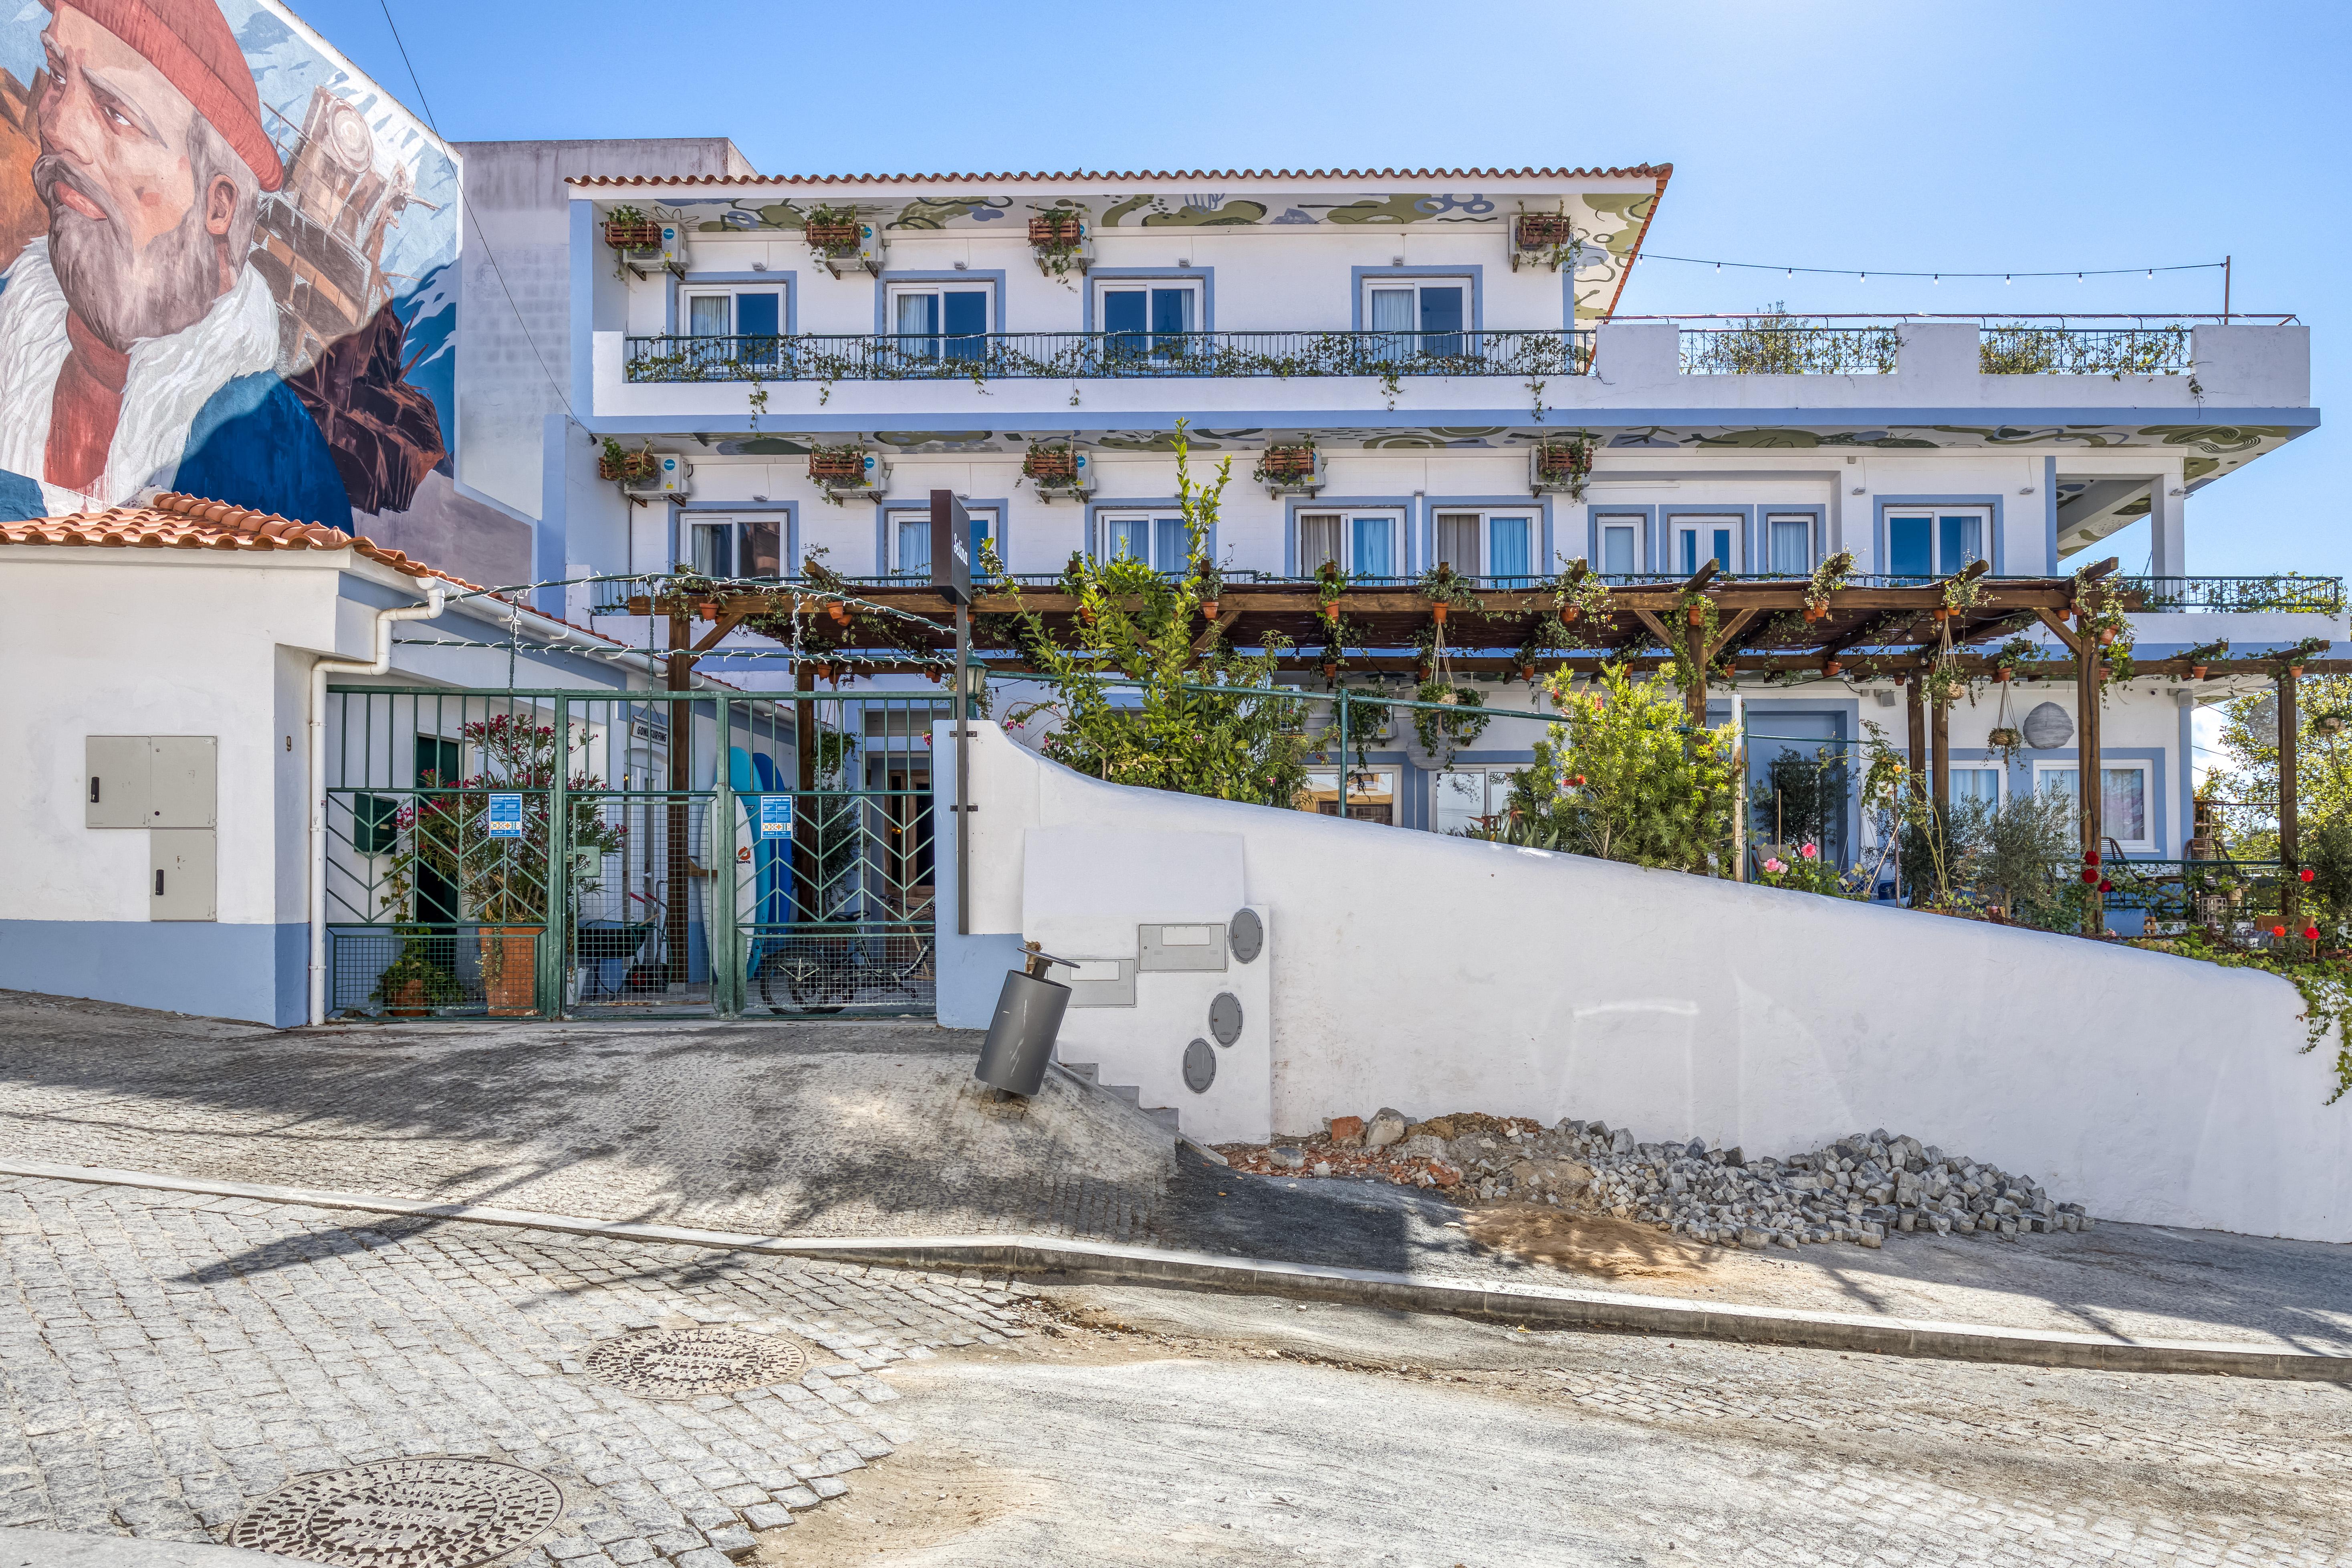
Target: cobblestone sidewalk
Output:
[{"x": 166, "y": 1360}]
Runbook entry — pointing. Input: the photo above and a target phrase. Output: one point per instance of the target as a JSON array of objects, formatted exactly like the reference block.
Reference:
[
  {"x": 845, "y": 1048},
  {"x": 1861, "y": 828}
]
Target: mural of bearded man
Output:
[{"x": 139, "y": 348}]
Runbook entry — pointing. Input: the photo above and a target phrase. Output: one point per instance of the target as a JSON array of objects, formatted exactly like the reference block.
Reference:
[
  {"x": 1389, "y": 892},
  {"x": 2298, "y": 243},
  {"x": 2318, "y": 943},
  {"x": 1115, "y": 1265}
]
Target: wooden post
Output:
[
  {"x": 1916, "y": 714},
  {"x": 2090, "y": 778},
  {"x": 1940, "y": 738},
  {"x": 2289, "y": 828},
  {"x": 680, "y": 893},
  {"x": 1694, "y": 638}
]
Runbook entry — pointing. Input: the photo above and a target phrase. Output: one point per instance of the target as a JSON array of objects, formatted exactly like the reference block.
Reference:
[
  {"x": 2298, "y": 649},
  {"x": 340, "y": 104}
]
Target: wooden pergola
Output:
[{"x": 1734, "y": 629}]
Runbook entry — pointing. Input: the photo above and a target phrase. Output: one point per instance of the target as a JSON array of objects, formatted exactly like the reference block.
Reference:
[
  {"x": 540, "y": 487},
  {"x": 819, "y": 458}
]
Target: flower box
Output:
[
  {"x": 1560, "y": 467},
  {"x": 834, "y": 237},
  {"x": 1541, "y": 231},
  {"x": 633, "y": 234},
  {"x": 628, "y": 466},
  {"x": 1296, "y": 467},
  {"x": 1057, "y": 230},
  {"x": 837, "y": 468},
  {"x": 1050, "y": 463}
]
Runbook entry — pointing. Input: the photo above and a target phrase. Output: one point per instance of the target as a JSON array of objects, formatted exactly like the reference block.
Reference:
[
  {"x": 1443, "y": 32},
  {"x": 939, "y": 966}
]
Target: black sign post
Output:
[{"x": 952, "y": 578}]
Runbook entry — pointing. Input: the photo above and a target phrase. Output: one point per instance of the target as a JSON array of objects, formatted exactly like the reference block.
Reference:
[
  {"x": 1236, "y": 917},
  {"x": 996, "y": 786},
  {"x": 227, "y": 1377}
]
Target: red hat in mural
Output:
[{"x": 190, "y": 42}]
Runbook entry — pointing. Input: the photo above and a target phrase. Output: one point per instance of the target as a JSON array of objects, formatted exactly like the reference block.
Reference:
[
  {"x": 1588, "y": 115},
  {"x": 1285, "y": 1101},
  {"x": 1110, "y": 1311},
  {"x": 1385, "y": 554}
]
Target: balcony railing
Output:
[
  {"x": 1775, "y": 344},
  {"x": 1059, "y": 356},
  {"x": 2286, "y": 593}
]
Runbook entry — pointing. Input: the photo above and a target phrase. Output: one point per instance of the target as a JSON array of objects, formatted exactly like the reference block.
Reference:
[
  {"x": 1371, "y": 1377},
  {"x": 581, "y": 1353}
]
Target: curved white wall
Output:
[{"x": 1436, "y": 974}]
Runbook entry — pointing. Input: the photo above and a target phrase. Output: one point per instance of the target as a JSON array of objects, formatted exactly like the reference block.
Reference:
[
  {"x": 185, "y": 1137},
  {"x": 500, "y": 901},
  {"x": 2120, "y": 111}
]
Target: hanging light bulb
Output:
[
  {"x": 1936, "y": 278},
  {"x": 1718, "y": 266},
  {"x": 1863, "y": 277},
  {"x": 2151, "y": 273},
  {"x": 2078, "y": 278},
  {"x": 2004, "y": 277}
]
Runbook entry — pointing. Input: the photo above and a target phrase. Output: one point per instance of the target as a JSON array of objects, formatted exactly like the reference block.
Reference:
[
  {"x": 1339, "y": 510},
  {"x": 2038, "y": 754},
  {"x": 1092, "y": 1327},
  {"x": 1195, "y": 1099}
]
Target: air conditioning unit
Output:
[
  {"x": 671, "y": 479},
  {"x": 870, "y": 256},
  {"x": 670, "y": 257}
]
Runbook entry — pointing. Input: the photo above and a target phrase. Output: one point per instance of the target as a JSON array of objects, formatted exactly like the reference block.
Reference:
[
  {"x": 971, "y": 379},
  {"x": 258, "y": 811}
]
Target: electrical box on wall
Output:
[
  {"x": 150, "y": 780},
  {"x": 181, "y": 874}
]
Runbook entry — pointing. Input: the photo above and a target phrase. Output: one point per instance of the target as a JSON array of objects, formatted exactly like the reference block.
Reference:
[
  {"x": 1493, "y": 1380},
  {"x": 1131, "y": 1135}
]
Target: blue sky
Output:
[{"x": 1920, "y": 136}]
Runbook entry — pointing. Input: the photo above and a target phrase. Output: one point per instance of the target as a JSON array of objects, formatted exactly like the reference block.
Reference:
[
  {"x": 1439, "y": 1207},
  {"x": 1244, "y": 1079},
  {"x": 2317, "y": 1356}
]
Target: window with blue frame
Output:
[
  {"x": 1417, "y": 317},
  {"x": 1620, "y": 545},
  {"x": 1498, "y": 546},
  {"x": 1148, "y": 320},
  {"x": 1788, "y": 544},
  {"x": 1363, "y": 545},
  {"x": 933, "y": 321},
  {"x": 1935, "y": 543},
  {"x": 910, "y": 540},
  {"x": 733, "y": 325},
  {"x": 1699, "y": 539},
  {"x": 1159, "y": 542}
]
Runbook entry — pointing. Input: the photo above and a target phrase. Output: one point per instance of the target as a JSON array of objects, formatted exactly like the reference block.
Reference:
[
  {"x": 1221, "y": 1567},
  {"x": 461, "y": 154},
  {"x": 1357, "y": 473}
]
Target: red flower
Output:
[
  {"x": 2105, "y": 886},
  {"x": 2091, "y": 858},
  {"x": 2089, "y": 876},
  {"x": 2278, "y": 931},
  {"x": 2311, "y": 934},
  {"x": 2307, "y": 873}
]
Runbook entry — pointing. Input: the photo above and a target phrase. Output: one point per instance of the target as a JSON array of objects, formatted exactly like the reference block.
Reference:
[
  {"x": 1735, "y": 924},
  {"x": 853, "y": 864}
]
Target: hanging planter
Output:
[
  {"x": 2196, "y": 671},
  {"x": 1290, "y": 468},
  {"x": 1209, "y": 608},
  {"x": 2001, "y": 677},
  {"x": 628, "y": 228},
  {"x": 2005, "y": 738},
  {"x": 1437, "y": 612},
  {"x": 1543, "y": 239},
  {"x": 1061, "y": 241},
  {"x": 1560, "y": 467},
  {"x": 620, "y": 465},
  {"x": 1830, "y": 668}
]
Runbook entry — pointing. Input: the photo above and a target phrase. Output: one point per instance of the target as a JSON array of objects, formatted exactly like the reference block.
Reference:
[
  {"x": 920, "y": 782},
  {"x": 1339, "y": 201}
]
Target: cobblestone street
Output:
[{"x": 167, "y": 1360}]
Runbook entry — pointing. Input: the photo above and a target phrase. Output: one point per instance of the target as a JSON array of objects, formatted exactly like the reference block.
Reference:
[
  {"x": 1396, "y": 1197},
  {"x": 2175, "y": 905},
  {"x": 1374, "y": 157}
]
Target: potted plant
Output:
[
  {"x": 628, "y": 228},
  {"x": 1827, "y": 579},
  {"x": 1055, "y": 469},
  {"x": 1289, "y": 466},
  {"x": 844, "y": 469},
  {"x": 501, "y": 881},
  {"x": 1446, "y": 589},
  {"x": 832, "y": 231},
  {"x": 618, "y": 464},
  {"x": 412, "y": 984},
  {"x": 1561, "y": 465},
  {"x": 1059, "y": 236},
  {"x": 1544, "y": 239}
]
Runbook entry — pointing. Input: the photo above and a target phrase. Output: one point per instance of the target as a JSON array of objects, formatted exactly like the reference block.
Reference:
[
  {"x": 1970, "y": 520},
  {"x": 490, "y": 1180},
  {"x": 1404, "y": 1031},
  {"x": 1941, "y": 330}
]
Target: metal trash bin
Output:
[{"x": 1021, "y": 1037}]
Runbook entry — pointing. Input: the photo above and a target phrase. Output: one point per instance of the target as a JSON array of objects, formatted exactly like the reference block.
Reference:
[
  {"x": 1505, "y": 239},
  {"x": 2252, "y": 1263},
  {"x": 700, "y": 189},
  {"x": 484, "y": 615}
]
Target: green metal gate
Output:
[{"x": 582, "y": 854}]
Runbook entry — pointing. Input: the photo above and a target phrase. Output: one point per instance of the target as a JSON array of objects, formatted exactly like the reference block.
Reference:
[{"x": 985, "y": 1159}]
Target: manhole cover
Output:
[
  {"x": 404, "y": 1513},
  {"x": 686, "y": 1363}
]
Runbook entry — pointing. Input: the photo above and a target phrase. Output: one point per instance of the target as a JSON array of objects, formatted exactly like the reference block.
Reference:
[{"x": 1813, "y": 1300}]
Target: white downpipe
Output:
[{"x": 435, "y": 597}]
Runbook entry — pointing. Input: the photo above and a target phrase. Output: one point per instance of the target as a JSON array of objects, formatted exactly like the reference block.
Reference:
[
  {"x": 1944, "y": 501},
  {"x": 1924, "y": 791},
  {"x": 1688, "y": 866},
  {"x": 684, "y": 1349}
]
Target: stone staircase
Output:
[{"x": 1166, "y": 1116}]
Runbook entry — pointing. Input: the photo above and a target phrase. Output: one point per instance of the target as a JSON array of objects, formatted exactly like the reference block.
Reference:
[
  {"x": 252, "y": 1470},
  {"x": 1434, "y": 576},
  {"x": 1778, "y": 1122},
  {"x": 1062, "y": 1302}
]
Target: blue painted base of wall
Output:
[{"x": 253, "y": 973}]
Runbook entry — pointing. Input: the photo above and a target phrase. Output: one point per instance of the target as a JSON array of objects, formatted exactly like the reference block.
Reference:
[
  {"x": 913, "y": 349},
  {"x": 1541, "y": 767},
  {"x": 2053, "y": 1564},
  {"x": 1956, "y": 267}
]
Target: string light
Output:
[{"x": 2078, "y": 274}]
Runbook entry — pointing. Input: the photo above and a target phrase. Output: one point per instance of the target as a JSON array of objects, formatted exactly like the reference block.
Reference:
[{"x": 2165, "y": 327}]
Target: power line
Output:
[
  {"x": 496, "y": 270},
  {"x": 2077, "y": 273}
]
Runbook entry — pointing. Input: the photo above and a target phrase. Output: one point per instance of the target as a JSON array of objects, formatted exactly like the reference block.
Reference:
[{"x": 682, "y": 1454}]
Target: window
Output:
[
  {"x": 1621, "y": 546},
  {"x": 1158, "y": 541},
  {"x": 737, "y": 547},
  {"x": 730, "y": 325},
  {"x": 1461, "y": 800},
  {"x": 1788, "y": 544},
  {"x": 1148, "y": 318},
  {"x": 1418, "y": 317},
  {"x": 1698, "y": 539},
  {"x": 1500, "y": 546},
  {"x": 1977, "y": 783},
  {"x": 1364, "y": 544},
  {"x": 937, "y": 320},
  {"x": 1935, "y": 543},
  {"x": 908, "y": 539},
  {"x": 2123, "y": 799},
  {"x": 1371, "y": 793}
]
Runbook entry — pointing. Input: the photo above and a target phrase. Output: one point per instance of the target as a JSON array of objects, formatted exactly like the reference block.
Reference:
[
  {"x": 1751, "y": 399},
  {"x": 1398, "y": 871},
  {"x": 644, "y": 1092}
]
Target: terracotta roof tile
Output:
[{"x": 1658, "y": 171}]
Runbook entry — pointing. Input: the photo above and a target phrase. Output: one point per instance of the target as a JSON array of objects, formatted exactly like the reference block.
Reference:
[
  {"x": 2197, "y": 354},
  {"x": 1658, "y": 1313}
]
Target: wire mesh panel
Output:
[
  {"x": 505, "y": 853},
  {"x": 834, "y": 869},
  {"x": 439, "y": 834}
]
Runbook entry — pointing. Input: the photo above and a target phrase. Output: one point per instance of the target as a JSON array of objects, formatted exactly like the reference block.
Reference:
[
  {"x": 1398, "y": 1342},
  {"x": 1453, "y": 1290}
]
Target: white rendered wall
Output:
[{"x": 1435, "y": 975}]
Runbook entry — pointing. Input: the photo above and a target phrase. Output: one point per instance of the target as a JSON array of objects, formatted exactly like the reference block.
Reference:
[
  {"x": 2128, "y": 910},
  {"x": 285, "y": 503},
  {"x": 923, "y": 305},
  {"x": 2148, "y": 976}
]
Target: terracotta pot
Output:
[
  {"x": 1209, "y": 608},
  {"x": 1831, "y": 667},
  {"x": 2000, "y": 676},
  {"x": 407, "y": 1000},
  {"x": 1330, "y": 671},
  {"x": 1332, "y": 611},
  {"x": 1437, "y": 611},
  {"x": 1698, "y": 615},
  {"x": 2295, "y": 672},
  {"x": 1568, "y": 616},
  {"x": 2107, "y": 635},
  {"x": 510, "y": 969}
]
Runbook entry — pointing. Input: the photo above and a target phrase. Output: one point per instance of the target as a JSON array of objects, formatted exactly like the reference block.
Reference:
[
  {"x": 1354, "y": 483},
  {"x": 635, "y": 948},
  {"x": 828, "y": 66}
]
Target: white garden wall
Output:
[{"x": 1435, "y": 975}]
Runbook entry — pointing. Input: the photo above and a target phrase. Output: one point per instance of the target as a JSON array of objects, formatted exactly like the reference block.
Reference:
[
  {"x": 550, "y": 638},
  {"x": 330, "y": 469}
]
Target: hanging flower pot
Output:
[
  {"x": 1330, "y": 671},
  {"x": 1331, "y": 613},
  {"x": 1568, "y": 615},
  {"x": 1209, "y": 608},
  {"x": 1437, "y": 611},
  {"x": 1831, "y": 667},
  {"x": 2196, "y": 672},
  {"x": 707, "y": 609},
  {"x": 1696, "y": 615},
  {"x": 2295, "y": 672},
  {"x": 2107, "y": 637},
  {"x": 2002, "y": 676},
  {"x": 1814, "y": 613},
  {"x": 2004, "y": 739},
  {"x": 1528, "y": 673}
]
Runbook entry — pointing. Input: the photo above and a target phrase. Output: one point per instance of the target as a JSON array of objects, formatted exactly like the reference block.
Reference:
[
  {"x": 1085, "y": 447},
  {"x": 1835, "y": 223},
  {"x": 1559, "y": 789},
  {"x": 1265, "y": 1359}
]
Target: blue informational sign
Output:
[
  {"x": 775, "y": 816},
  {"x": 505, "y": 816}
]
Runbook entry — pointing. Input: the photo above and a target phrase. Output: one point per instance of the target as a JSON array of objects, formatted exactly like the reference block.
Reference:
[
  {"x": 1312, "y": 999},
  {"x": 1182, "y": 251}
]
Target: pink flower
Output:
[
  {"x": 1773, "y": 867},
  {"x": 1809, "y": 852}
]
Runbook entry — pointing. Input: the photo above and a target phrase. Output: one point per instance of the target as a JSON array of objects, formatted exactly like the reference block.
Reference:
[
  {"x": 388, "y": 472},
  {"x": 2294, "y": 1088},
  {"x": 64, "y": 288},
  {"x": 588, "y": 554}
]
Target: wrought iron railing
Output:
[
  {"x": 1053, "y": 356},
  {"x": 2281, "y": 592},
  {"x": 1771, "y": 347},
  {"x": 2029, "y": 350}
]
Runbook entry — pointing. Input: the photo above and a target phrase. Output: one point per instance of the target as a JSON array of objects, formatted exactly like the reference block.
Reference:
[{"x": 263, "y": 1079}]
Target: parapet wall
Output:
[{"x": 1434, "y": 973}]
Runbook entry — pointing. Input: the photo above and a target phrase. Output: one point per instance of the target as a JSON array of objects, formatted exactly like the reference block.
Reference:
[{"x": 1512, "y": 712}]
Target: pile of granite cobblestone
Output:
[{"x": 1858, "y": 1189}]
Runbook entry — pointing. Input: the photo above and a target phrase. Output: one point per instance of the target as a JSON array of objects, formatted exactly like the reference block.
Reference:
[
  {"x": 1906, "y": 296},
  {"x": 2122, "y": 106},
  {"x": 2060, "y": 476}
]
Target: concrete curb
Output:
[
  {"x": 54, "y": 1549},
  {"x": 1056, "y": 1259}
]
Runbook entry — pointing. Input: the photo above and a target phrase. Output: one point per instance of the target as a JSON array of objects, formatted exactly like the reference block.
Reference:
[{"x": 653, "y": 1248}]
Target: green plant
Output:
[
  {"x": 1285, "y": 462},
  {"x": 1567, "y": 462},
  {"x": 832, "y": 231},
  {"x": 1579, "y": 595},
  {"x": 1828, "y": 577},
  {"x": 502, "y": 880},
  {"x": 1442, "y": 585},
  {"x": 2018, "y": 854},
  {"x": 1800, "y": 799},
  {"x": 1694, "y": 612},
  {"x": 1775, "y": 342},
  {"x": 1807, "y": 870},
  {"x": 413, "y": 979},
  {"x": 1626, "y": 783},
  {"x": 1442, "y": 734},
  {"x": 1244, "y": 741},
  {"x": 2016, "y": 653}
]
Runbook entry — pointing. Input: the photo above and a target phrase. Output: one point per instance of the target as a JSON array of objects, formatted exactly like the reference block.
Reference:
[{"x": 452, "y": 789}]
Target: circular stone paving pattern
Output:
[
  {"x": 686, "y": 1363},
  {"x": 404, "y": 1513}
]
